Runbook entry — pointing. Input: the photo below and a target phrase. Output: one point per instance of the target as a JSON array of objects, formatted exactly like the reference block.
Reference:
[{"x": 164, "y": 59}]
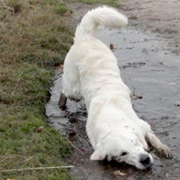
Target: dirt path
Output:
[
  {"x": 161, "y": 17},
  {"x": 148, "y": 56}
]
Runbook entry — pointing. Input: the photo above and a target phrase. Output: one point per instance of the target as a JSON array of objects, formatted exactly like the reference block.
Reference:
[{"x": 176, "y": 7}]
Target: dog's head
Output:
[{"x": 123, "y": 148}]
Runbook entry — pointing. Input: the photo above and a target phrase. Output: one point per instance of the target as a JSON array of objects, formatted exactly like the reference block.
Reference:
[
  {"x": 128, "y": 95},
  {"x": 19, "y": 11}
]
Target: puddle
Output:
[{"x": 153, "y": 75}]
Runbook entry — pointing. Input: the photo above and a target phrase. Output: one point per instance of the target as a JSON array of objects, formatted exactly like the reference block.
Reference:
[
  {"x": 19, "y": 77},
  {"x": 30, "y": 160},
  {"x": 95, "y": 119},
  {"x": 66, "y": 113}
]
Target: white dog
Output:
[{"x": 91, "y": 72}]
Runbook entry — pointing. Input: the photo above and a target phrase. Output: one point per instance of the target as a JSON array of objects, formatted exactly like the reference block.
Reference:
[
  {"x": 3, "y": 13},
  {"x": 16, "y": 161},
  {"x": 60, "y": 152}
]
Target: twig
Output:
[
  {"x": 4, "y": 3},
  {"x": 5, "y": 6},
  {"x": 37, "y": 168},
  {"x": 85, "y": 172},
  {"x": 76, "y": 148},
  {"x": 17, "y": 83},
  {"x": 4, "y": 159},
  {"x": 87, "y": 143},
  {"x": 28, "y": 159}
]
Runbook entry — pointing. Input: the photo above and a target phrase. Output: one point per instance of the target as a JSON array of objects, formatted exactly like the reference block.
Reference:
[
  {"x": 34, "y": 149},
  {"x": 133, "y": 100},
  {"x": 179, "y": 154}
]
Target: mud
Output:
[
  {"x": 149, "y": 65},
  {"x": 161, "y": 17}
]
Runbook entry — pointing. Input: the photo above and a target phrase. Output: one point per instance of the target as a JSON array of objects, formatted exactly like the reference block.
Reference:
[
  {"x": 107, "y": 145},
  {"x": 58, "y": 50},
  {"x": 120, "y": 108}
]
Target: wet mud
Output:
[
  {"x": 161, "y": 17},
  {"x": 153, "y": 75}
]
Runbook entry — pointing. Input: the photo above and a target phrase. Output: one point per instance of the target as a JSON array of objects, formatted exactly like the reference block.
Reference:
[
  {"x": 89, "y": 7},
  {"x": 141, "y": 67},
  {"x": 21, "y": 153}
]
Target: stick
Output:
[
  {"x": 77, "y": 148},
  {"x": 17, "y": 83},
  {"x": 28, "y": 159},
  {"x": 38, "y": 168}
]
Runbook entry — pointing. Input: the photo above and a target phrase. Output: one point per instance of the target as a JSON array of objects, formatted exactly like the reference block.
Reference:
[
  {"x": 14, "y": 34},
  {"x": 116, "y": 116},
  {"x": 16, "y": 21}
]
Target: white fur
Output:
[{"x": 91, "y": 72}]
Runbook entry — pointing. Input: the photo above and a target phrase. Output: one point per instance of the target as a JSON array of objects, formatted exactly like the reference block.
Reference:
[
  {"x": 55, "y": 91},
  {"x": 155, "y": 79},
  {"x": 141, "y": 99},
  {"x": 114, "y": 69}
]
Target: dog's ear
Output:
[{"x": 98, "y": 155}]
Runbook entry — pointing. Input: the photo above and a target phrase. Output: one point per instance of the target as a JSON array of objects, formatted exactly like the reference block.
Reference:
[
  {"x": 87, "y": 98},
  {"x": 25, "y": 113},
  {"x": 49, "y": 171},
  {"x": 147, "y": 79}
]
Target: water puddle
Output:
[{"x": 153, "y": 75}]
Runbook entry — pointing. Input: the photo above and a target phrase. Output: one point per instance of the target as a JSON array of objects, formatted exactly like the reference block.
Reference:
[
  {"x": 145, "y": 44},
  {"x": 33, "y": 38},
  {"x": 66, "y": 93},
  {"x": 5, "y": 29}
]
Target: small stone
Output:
[
  {"x": 172, "y": 84},
  {"x": 119, "y": 173},
  {"x": 32, "y": 7}
]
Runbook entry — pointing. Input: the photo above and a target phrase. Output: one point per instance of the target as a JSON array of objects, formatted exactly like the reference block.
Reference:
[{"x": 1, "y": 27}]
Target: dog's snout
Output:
[{"x": 145, "y": 160}]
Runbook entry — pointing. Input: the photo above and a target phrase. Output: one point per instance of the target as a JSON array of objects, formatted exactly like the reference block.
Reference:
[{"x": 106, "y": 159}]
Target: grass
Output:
[{"x": 34, "y": 37}]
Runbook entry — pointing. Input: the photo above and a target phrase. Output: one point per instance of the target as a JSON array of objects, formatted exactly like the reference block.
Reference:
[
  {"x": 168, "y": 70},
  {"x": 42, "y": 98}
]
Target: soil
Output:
[{"x": 148, "y": 56}]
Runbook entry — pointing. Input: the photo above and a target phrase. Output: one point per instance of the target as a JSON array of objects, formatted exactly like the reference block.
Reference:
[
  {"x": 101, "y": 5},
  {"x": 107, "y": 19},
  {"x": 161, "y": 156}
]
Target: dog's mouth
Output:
[{"x": 145, "y": 161}]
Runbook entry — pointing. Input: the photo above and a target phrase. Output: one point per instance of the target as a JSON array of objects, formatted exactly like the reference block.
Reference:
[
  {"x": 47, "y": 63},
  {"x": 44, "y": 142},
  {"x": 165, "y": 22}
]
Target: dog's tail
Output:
[{"x": 104, "y": 16}]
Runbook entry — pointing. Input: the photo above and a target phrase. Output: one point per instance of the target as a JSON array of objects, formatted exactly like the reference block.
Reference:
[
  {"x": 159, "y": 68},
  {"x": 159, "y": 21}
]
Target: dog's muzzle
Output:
[{"x": 145, "y": 160}]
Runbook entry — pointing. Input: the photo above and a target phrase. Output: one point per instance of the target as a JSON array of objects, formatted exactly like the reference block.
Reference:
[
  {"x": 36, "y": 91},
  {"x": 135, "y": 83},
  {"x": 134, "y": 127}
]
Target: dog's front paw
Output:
[
  {"x": 97, "y": 156},
  {"x": 165, "y": 151}
]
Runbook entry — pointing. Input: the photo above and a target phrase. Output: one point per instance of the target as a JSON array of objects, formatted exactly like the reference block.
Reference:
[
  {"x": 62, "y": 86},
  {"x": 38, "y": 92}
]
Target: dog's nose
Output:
[{"x": 145, "y": 160}]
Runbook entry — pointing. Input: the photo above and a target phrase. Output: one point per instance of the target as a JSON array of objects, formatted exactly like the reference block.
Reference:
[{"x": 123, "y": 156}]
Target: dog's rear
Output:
[
  {"x": 85, "y": 46},
  {"x": 91, "y": 72},
  {"x": 102, "y": 16}
]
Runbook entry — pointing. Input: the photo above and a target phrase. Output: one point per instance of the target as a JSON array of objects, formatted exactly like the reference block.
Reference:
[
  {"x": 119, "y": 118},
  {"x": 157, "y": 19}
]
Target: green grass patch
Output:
[{"x": 33, "y": 38}]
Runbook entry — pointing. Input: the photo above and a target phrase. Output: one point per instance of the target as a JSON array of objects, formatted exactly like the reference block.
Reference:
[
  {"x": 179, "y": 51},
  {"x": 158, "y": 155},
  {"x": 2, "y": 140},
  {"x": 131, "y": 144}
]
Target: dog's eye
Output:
[{"x": 123, "y": 153}]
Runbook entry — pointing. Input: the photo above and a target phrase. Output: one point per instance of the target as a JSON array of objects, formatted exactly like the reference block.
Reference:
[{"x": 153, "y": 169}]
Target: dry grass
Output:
[{"x": 33, "y": 39}]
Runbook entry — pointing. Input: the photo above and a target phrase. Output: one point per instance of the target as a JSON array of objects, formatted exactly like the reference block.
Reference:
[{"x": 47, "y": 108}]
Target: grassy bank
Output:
[{"x": 33, "y": 39}]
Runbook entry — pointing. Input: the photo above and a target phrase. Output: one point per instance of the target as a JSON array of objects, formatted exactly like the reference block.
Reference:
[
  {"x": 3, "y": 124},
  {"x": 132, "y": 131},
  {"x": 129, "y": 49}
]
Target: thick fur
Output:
[{"x": 91, "y": 72}]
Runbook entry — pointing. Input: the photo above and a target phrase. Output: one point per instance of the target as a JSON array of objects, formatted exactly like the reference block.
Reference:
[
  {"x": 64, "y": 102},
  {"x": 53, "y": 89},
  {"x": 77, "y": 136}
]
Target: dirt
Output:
[
  {"x": 148, "y": 56},
  {"x": 161, "y": 17}
]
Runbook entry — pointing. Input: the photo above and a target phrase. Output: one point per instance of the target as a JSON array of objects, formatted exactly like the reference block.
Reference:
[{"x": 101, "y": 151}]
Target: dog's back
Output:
[
  {"x": 91, "y": 71},
  {"x": 93, "y": 65}
]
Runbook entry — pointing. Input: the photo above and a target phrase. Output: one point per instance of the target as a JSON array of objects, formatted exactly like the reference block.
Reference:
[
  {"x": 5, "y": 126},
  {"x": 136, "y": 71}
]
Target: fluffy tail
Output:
[{"x": 104, "y": 16}]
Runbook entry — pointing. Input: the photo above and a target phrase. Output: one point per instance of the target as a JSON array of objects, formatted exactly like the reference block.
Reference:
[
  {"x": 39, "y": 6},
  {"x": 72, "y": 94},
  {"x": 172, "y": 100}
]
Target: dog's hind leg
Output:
[
  {"x": 71, "y": 90},
  {"x": 70, "y": 82},
  {"x": 71, "y": 85},
  {"x": 157, "y": 144},
  {"x": 62, "y": 101}
]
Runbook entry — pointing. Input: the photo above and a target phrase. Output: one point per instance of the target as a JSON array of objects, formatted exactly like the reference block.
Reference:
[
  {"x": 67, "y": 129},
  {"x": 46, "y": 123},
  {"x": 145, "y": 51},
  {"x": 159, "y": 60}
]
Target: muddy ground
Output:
[
  {"x": 148, "y": 56},
  {"x": 161, "y": 17}
]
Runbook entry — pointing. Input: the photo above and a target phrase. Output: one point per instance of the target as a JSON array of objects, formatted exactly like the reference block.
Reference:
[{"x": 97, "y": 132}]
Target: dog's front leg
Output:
[
  {"x": 62, "y": 101},
  {"x": 157, "y": 144}
]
